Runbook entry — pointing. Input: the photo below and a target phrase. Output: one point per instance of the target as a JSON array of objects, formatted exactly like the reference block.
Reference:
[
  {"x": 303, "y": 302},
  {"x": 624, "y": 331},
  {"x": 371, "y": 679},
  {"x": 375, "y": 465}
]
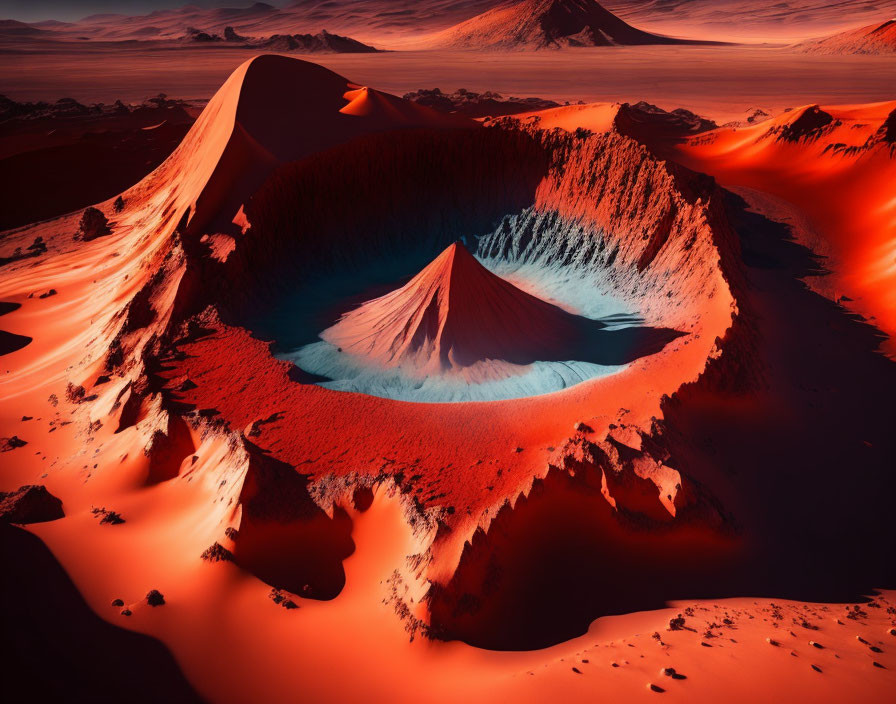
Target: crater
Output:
[
  {"x": 458, "y": 332},
  {"x": 449, "y": 280}
]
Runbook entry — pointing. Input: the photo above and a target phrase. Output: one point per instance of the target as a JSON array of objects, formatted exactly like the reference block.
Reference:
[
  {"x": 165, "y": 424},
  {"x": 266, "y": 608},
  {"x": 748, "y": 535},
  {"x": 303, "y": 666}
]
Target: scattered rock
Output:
[
  {"x": 677, "y": 623},
  {"x": 230, "y": 35},
  {"x": 816, "y": 668},
  {"x": 231, "y": 532},
  {"x": 117, "y": 602},
  {"x": 875, "y": 663},
  {"x": 772, "y": 641},
  {"x": 47, "y": 294},
  {"x": 31, "y": 503},
  {"x": 110, "y": 517},
  {"x": 670, "y": 672},
  {"x": 856, "y": 612},
  {"x": 118, "y": 205},
  {"x": 93, "y": 224},
  {"x": 38, "y": 246},
  {"x": 154, "y": 598},
  {"x": 125, "y": 612},
  {"x": 874, "y": 649},
  {"x": 7, "y": 444},
  {"x": 577, "y": 670},
  {"x": 278, "y": 597},
  {"x": 217, "y": 553},
  {"x": 75, "y": 393},
  {"x": 814, "y": 644},
  {"x": 654, "y": 687}
]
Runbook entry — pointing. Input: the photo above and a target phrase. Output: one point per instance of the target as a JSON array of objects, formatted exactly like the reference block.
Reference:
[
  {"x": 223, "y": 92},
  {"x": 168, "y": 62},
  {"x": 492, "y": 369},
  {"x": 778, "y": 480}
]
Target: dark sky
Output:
[{"x": 32, "y": 10}]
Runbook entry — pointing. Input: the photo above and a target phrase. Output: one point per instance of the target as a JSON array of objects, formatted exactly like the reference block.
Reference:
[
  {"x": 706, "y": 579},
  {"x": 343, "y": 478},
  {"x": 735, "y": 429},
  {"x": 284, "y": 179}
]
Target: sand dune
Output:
[
  {"x": 833, "y": 163},
  {"x": 752, "y": 20},
  {"x": 873, "y": 39}
]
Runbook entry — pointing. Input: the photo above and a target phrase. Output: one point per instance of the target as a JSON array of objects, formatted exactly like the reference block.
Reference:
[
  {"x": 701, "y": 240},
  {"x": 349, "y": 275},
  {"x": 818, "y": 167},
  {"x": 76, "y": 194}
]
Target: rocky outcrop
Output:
[
  {"x": 94, "y": 223},
  {"x": 803, "y": 125},
  {"x": 322, "y": 42},
  {"x": 472, "y": 104},
  {"x": 29, "y": 504}
]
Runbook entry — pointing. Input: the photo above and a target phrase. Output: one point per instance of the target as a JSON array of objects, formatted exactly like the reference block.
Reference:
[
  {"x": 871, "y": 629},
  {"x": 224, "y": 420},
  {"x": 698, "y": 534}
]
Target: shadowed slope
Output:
[{"x": 47, "y": 624}]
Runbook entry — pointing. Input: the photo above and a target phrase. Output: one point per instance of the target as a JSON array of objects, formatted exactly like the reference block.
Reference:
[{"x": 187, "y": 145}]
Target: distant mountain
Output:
[
  {"x": 473, "y": 104},
  {"x": 369, "y": 21},
  {"x": 14, "y": 28},
  {"x": 391, "y": 24},
  {"x": 541, "y": 24},
  {"x": 751, "y": 20},
  {"x": 321, "y": 43},
  {"x": 873, "y": 39}
]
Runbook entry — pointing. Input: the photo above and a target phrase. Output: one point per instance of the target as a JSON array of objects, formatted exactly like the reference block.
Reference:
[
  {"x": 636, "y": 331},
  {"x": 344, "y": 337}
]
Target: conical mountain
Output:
[
  {"x": 539, "y": 24},
  {"x": 452, "y": 314}
]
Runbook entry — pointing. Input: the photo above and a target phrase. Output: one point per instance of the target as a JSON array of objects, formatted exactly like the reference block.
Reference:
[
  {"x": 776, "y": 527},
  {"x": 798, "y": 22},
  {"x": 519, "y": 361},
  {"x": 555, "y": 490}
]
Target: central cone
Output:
[{"x": 453, "y": 314}]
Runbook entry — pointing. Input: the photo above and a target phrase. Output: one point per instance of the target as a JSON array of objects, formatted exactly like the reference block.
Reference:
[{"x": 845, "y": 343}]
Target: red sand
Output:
[
  {"x": 841, "y": 179},
  {"x": 723, "y": 83},
  {"x": 142, "y": 401}
]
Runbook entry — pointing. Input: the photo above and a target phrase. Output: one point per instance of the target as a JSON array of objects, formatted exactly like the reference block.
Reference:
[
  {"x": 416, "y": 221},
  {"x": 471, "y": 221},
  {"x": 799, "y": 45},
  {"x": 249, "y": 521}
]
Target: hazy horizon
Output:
[{"x": 73, "y": 10}]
